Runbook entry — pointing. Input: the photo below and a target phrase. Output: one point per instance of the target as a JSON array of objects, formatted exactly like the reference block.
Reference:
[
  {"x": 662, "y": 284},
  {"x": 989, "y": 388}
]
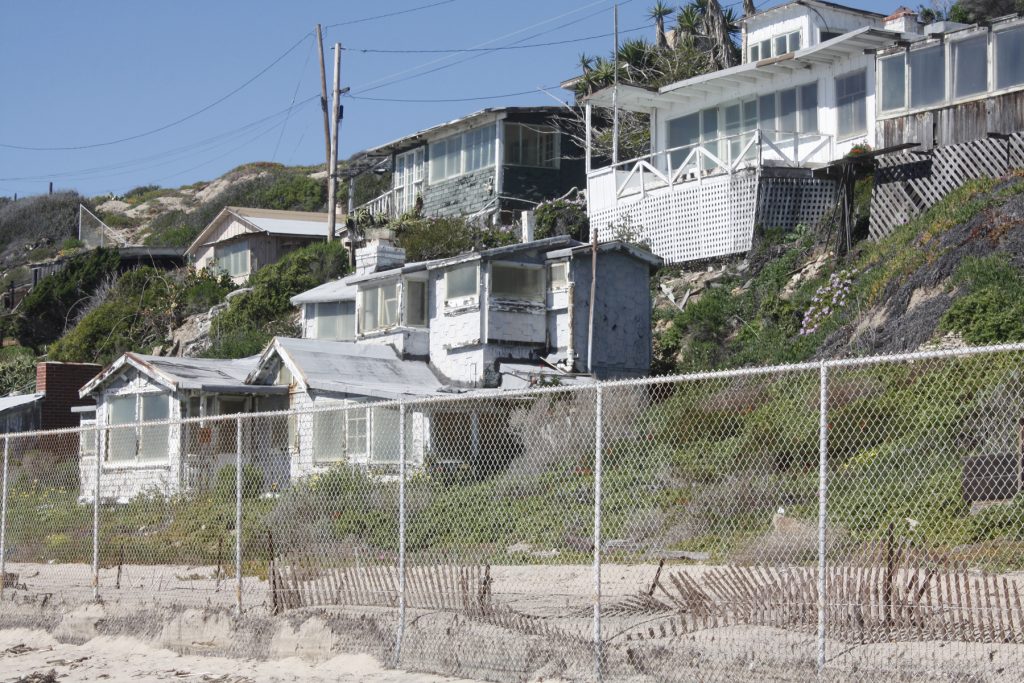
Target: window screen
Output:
[
  {"x": 970, "y": 65},
  {"x": 851, "y": 108},
  {"x": 329, "y": 435},
  {"x": 809, "y": 108},
  {"x": 1009, "y": 57},
  {"x": 416, "y": 303},
  {"x": 927, "y": 76},
  {"x": 894, "y": 75},
  {"x": 153, "y": 438},
  {"x": 460, "y": 282},
  {"x": 121, "y": 411},
  {"x": 513, "y": 281}
]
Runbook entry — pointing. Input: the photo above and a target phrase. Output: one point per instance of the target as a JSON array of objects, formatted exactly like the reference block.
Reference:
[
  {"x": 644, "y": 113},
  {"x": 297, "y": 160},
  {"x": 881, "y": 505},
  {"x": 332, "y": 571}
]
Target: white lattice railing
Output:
[
  {"x": 727, "y": 154},
  {"x": 378, "y": 206}
]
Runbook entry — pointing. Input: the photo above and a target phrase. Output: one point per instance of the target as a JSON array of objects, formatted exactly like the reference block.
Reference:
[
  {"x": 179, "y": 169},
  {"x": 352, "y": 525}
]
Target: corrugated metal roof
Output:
[
  {"x": 11, "y": 402},
  {"x": 295, "y": 223},
  {"x": 372, "y": 370},
  {"x": 336, "y": 290}
]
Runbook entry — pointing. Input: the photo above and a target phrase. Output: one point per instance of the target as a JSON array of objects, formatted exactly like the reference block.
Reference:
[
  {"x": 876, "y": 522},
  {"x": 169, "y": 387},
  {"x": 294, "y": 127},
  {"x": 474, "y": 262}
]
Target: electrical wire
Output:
[
  {"x": 302, "y": 74},
  {"x": 389, "y": 14},
  {"x": 490, "y": 49},
  {"x": 168, "y": 125},
  {"x": 452, "y": 99}
]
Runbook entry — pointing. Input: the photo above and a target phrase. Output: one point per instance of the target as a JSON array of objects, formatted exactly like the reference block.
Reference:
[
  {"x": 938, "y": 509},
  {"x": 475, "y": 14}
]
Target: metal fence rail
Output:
[{"x": 858, "y": 517}]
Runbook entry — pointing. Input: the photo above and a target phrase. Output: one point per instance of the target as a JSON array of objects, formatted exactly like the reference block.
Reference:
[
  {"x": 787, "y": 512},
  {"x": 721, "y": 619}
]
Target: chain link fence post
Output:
[
  {"x": 238, "y": 516},
  {"x": 3, "y": 519},
  {"x": 401, "y": 534},
  {"x": 597, "y": 533},
  {"x": 822, "y": 507},
  {"x": 96, "y": 520}
]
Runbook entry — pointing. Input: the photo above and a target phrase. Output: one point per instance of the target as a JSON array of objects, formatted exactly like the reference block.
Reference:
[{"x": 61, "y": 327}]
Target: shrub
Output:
[
  {"x": 562, "y": 217},
  {"x": 17, "y": 370},
  {"x": 432, "y": 238},
  {"x": 225, "y": 487},
  {"x": 992, "y": 311}
]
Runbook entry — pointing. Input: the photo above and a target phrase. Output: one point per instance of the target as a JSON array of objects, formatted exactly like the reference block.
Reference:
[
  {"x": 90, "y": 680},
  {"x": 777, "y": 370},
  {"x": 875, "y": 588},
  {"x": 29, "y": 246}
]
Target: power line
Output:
[
  {"x": 302, "y": 74},
  {"x": 389, "y": 14},
  {"x": 452, "y": 99},
  {"x": 493, "y": 49},
  {"x": 168, "y": 125}
]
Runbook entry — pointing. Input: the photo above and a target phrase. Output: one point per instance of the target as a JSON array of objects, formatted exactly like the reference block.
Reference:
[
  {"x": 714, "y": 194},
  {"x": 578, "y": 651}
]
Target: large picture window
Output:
[
  {"x": 894, "y": 75},
  {"x": 380, "y": 307},
  {"x": 927, "y": 76},
  {"x": 1009, "y": 56},
  {"x": 517, "y": 281},
  {"x": 532, "y": 145},
  {"x": 339, "y": 434},
  {"x": 130, "y": 443},
  {"x": 232, "y": 259},
  {"x": 335, "y": 320},
  {"x": 461, "y": 283},
  {"x": 969, "y": 65},
  {"x": 446, "y": 158},
  {"x": 851, "y": 104}
]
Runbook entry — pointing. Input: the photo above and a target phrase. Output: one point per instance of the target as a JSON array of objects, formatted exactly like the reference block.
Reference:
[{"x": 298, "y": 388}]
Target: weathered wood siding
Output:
[{"x": 956, "y": 123}]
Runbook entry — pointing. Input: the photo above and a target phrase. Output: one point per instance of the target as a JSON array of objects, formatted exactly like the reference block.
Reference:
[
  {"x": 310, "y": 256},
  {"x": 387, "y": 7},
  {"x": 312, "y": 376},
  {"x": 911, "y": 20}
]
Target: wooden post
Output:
[
  {"x": 323, "y": 97},
  {"x": 332, "y": 162}
]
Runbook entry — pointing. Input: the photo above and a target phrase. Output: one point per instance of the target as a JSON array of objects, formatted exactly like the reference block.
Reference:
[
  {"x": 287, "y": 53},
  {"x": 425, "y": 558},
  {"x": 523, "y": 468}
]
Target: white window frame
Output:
[
  {"x": 847, "y": 135},
  {"x": 880, "y": 84},
  {"x": 994, "y": 37},
  {"x": 328, "y": 434},
  {"x": 229, "y": 250},
  {"x": 558, "y": 276},
  {"x": 319, "y": 316},
  {"x": 408, "y": 285},
  {"x": 514, "y": 136},
  {"x": 138, "y": 434},
  {"x": 459, "y": 299},
  {"x": 378, "y": 292},
  {"x": 941, "y": 49},
  {"x": 482, "y": 136},
  {"x": 951, "y": 82},
  {"x": 536, "y": 271},
  {"x": 408, "y": 179}
]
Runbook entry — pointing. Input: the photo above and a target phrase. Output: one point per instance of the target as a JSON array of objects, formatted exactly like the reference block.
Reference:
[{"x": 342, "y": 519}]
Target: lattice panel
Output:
[
  {"x": 907, "y": 184},
  {"x": 691, "y": 221},
  {"x": 788, "y": 202}
]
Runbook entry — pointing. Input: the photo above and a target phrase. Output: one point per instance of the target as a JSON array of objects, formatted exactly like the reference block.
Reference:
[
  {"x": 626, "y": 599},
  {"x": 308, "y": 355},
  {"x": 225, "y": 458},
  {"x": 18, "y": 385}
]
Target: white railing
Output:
[
  {"x": 378, "y": 206},
  {"x": 727, "y": 154}
]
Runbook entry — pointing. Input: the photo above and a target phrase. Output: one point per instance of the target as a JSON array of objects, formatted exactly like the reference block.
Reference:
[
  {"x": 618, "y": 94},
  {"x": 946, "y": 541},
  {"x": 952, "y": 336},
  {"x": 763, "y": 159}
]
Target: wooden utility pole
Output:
[
  {"x": 323, "y": 95},
  {"x": 332, "y": 162},
  {"x": 615, "y": 93}
]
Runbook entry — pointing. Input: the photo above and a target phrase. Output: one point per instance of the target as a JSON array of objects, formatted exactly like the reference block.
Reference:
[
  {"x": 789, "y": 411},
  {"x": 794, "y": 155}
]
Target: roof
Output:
[
  {"x": 746, "y": 77},
  {"x": 370, "y": 370},
  {"x": 309, "y": 224},
  {"x": 810, "y": 3},
  {"x": 605, "y": 247},
  {"x": 178, "y": 374},
  {"x": 422, "y": 136},
  {"x": 9, "y": 403},
  {"x": 335, "y": 290}
]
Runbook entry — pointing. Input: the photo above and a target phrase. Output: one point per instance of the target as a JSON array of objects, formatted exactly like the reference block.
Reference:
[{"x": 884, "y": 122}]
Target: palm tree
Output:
[{"x": 659, "y": 13}]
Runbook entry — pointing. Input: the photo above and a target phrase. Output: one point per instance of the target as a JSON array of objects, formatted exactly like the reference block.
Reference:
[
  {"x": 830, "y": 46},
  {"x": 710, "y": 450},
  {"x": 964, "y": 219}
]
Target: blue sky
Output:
[{"x": 81, "y": 74}]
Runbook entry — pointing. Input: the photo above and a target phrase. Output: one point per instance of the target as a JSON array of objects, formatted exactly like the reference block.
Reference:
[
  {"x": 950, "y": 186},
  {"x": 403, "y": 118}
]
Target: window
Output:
[
  {"x": 766, "y": 113},
  {"x": 355, "y": 431},
  {"x": 233, "y": 258},
  {"x": 445, "y": 158},
  {"x": 927, "y": 76},
  {"x": 709, "y": 137},
  {"x": 851, "y": 99},
  {"x": 87, "y": 435},
  {"x": 385, "y": 443},
  {"x": 479, "y": 145},
  {"x": 828, "y": 35},
  {"x": 380, "y": 307},
  {"x": 558, "y": 276},
  {"x": 780, "y": 45},
  {"x": 683, "y": 132},
  {"x": 894, "y": 75},
  {"x": 148, "y": 443},
  {"x": 415, "y": 303},
  {"x": 794, "y": 41},
  {"x": 766, "y": 49},
  {"x": 153, "y": 438},
  {"x": 329, "y": 435},
  {"x": 531, "y": 145},
  {"x": 755, "y": 53},
  {"x": 809, "y": 108},
  {"x": 408, "y": 180},
  {"x": 122, "y": 441},
  {"x": 787, "y": 113},
  {"x": 1009, "y": 56},
  {"x": 517, "y": 281},
  {"x": 461, "y": 282},
  {"x": 335, "y": 320},
  {"x": 970, "y": 65}
]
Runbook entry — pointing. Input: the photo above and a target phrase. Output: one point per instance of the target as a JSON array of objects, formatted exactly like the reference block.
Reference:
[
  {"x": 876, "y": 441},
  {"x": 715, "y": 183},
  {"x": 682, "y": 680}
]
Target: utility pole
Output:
[
  {"x": 615, "y": 94},
  {"x": 332, "y": 162},
  {"x": 323, "y": 95}
]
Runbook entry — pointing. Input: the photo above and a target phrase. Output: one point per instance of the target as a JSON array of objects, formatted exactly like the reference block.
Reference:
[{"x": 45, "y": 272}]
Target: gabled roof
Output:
[
  {"x": 736, "y": 80},
  {"x": 177, "y": 374},
  {"x": 309, "y": 224},
  {"x": 364, "y": 370}
]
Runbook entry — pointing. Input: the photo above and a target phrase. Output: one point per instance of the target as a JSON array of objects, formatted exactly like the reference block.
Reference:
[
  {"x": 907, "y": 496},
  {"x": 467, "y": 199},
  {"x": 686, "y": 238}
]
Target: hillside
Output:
[{"x": 953, "y": 276}]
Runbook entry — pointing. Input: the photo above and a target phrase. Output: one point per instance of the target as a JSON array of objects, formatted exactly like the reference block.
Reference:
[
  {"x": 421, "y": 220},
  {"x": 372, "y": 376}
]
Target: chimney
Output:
[
  {"x": 528, "y": 223},
  {"x": 903, "y": 20},
  {"x": 59, "y": 383},
  {"x": 378, "y": 255}
]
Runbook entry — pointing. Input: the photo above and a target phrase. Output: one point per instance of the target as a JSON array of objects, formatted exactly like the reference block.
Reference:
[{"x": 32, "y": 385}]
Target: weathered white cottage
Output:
[{"x": 240, "y": 241}]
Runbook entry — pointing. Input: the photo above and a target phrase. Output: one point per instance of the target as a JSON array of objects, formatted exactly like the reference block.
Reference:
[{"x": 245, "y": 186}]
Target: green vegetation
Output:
[
  {"x": 992, "y": 311},
  {"x": 17, "y": 370},
  {"x": 250, "y": 320},
  {"x": 37, "y": 220},
  {"x": 50, "y": 307},
  {"x": 137, "y": 314},
  {"x": 562, "y": 217},
  {"x": 432, "y": 238}
]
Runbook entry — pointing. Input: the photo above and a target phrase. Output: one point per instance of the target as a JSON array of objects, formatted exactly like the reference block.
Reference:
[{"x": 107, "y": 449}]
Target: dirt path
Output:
[{"x": 30, "y": 656}]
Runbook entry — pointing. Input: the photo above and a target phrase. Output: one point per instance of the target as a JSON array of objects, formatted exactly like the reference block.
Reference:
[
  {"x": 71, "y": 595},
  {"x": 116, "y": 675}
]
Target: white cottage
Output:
[{"x": 739, "y": 147}]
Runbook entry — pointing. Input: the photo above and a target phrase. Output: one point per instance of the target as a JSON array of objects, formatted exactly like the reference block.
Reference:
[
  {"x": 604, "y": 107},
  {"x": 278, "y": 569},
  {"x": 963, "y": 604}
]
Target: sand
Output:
[{"x": 32, "y": 654}]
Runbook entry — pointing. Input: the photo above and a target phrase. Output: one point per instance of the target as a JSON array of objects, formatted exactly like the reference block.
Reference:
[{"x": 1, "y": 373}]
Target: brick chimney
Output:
[{"x": 60, "y": 382}]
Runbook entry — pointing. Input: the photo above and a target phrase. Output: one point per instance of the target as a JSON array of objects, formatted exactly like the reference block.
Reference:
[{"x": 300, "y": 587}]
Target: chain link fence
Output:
[{"x": 847, "y": 519}]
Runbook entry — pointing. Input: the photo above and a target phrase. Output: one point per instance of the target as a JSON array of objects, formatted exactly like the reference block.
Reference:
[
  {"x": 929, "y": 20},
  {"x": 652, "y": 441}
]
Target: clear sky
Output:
[{"x": 82, "y": 74}]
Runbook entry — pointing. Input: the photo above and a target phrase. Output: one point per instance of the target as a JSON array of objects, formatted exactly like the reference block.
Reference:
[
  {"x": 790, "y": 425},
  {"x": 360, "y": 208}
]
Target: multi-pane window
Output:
[
  {"x": 531, "y": 145},
  {"x": 339, "y": 434},
  {"x": 1009, "y": 56},
  {"x": 969, "y": 64},
  {"x": 894, "y": 74},
  {"x": 380, "y": 307},
  {"x": 462, "y": 153},
  {"x": 415, "y": 292},
  {"x": 385, "y": 443},
  {"x": 355, "y": 431},
  {"x": 408, "y": 180},
  {"x": 927, "y": 75},
  {"x": 517, "y": 281},
  {"x": 335, "y": 320},
  {"x": 232, "y": 259},
  {"x": 139, "y": 444},
  {"x": 851, "y": 104},
  {"x": 461, "y": 282},
  {"x": 779, "y": 45}
]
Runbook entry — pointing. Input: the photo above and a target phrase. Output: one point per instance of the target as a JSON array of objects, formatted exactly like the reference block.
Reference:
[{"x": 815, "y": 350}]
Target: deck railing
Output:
[{"x": 379, "y": 206}]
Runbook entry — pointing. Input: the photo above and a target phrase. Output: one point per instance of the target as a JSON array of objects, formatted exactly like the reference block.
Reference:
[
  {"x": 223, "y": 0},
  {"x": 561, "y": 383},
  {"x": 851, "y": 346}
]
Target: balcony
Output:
[
  {"x": 379, "y": 207},
  {"x": 700, "y": 200}
]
